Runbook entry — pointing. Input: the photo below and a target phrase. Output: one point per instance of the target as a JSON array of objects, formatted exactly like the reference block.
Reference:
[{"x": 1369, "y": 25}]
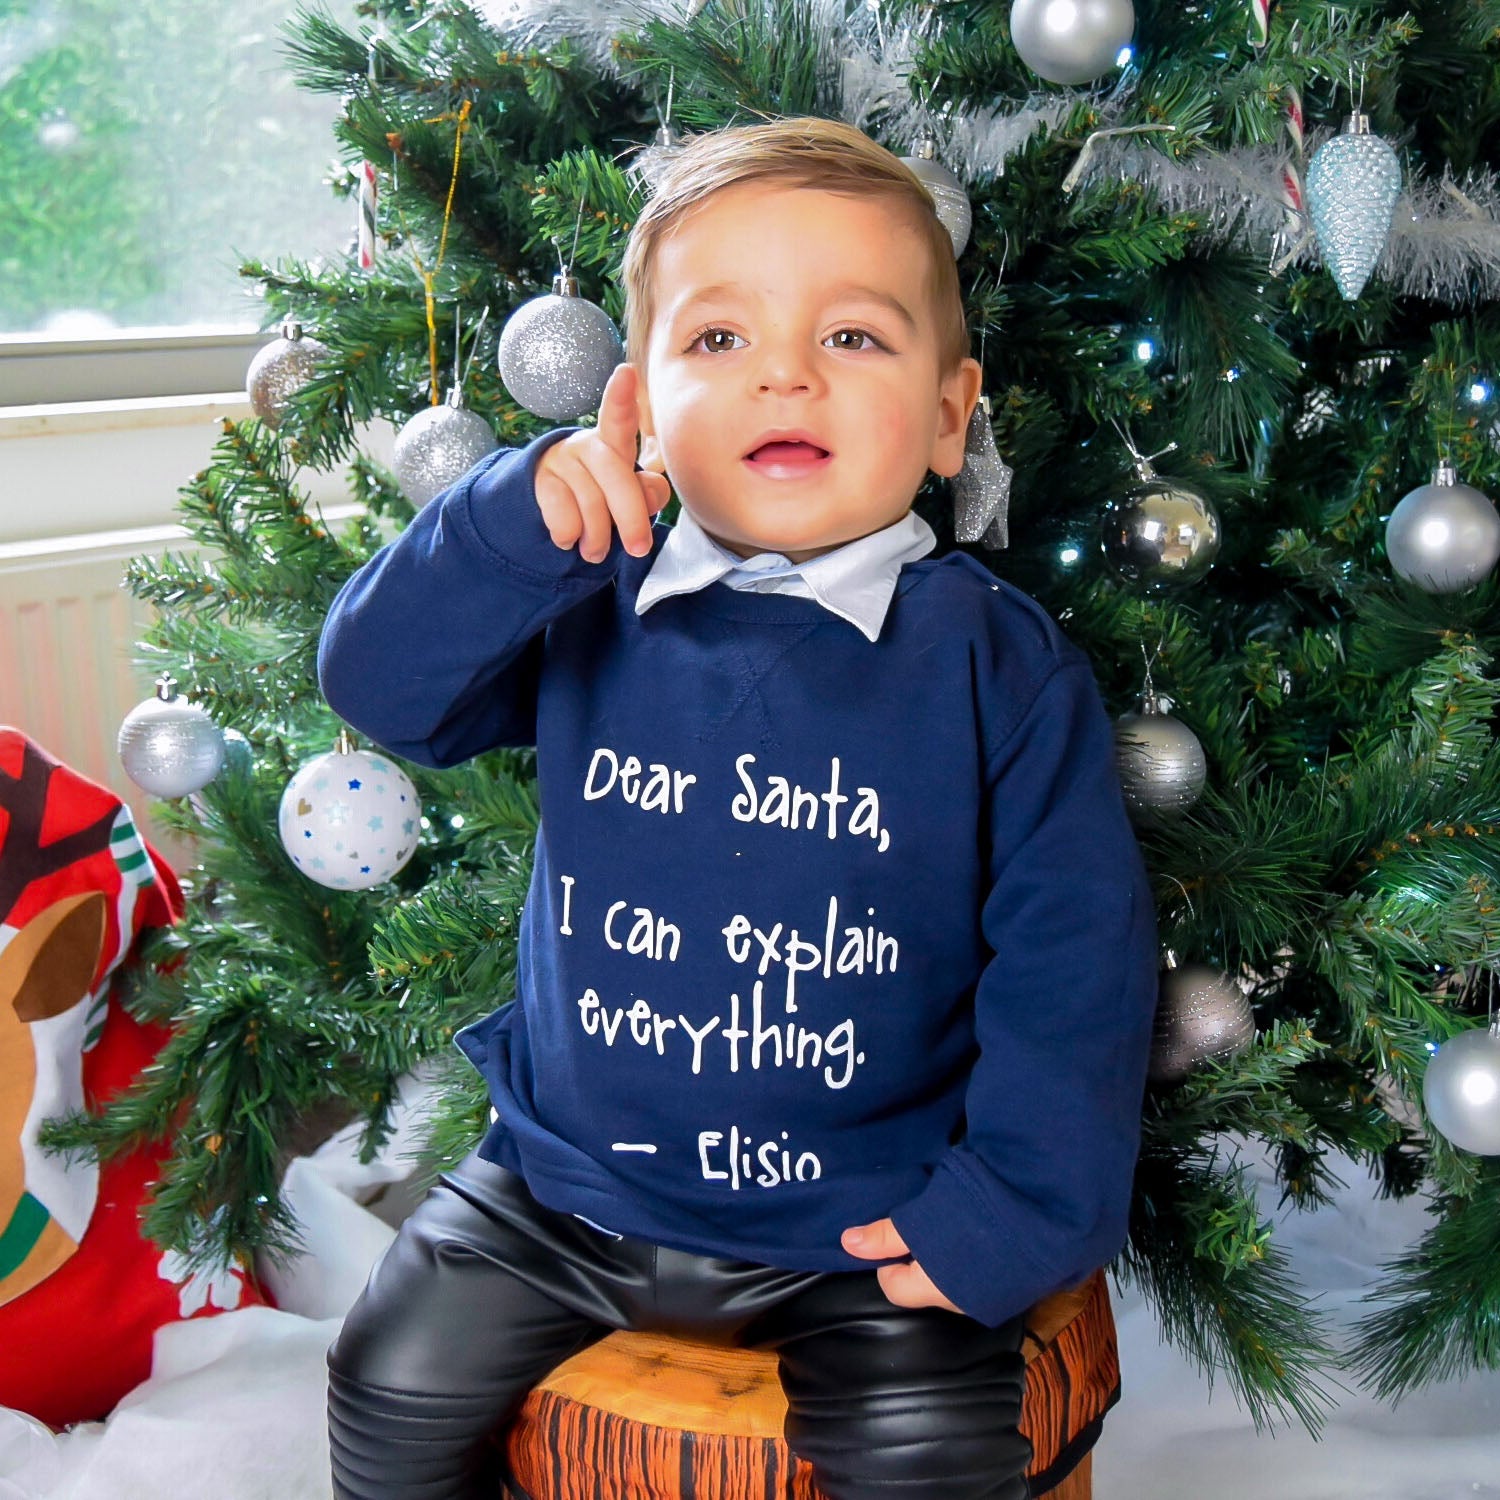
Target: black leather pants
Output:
[{"x": 484, "y": 1291}]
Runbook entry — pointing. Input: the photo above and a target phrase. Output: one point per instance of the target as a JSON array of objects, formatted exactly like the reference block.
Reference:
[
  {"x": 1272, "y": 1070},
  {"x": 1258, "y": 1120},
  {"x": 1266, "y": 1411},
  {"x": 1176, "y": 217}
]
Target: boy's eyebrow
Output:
[{"x": 729, "y": 290}]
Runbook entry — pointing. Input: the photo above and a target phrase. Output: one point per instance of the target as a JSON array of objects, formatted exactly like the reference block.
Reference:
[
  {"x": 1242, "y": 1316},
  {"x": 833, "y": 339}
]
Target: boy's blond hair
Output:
[{"x": 799, "y": 152}]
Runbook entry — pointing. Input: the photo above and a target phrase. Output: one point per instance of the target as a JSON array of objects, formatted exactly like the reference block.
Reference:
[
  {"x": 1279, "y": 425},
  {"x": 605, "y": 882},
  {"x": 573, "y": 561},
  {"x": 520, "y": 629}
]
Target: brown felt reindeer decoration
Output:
[{"x": 73, "y": 873}]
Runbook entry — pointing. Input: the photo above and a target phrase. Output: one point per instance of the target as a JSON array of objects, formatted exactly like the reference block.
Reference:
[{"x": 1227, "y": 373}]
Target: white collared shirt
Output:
[{"x": 855, "y": 581}]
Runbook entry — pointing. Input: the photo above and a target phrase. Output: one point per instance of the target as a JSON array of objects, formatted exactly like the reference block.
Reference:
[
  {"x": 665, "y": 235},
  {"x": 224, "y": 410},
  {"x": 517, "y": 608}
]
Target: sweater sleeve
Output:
[
  {"x": 1036, "y": 1193},
  {"x": 433, "y": 649}
]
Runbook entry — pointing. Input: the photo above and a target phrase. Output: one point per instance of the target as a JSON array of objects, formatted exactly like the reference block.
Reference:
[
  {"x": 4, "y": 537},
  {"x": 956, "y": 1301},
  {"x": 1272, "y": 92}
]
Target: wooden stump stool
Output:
[{"x": 645, "y": 1417}]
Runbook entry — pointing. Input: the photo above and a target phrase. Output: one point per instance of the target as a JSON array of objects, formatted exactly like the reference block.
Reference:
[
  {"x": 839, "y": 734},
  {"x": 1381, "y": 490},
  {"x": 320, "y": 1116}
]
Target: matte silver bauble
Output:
[
  {"x": 1461, "y": 1091},
  {"x": 1353, "y": 182},
  {"x": 1443, "y": 536},
  {"x": 281, "y": 368},
  {"x": 168, "y": 746},
  {"x": 948, "y": 193},
  {"x": 1201, "y": 1014},
  {"x": 1159, "y": 535},
  {"x": 438, "y": 446},
  {"x": 557, "y": 352},
  {"x": 1071, "y": 41},
  {"x": 1161, "y": 764},
  {"x": 650, "y": 164}
]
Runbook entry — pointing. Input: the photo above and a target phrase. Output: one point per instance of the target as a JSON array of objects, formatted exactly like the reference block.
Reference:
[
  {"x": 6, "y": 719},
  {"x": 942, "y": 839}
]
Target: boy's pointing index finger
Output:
[{"x": 619, "y": 424}]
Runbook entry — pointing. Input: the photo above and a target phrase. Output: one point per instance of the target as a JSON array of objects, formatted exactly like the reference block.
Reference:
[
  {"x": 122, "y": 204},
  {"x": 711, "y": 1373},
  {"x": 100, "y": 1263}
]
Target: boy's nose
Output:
[{"x": 785, "y": 371}]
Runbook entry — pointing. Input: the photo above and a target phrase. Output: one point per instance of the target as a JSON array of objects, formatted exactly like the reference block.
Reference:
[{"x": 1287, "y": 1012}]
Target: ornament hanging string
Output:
[{"x": 429, "y": 278}]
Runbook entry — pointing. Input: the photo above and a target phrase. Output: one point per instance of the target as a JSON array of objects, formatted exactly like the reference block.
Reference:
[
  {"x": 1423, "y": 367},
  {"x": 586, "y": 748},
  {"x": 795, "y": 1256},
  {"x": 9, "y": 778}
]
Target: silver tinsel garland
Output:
[
  {"x": 866, "y": 71},
  {"x": 1444, "y": 241}
]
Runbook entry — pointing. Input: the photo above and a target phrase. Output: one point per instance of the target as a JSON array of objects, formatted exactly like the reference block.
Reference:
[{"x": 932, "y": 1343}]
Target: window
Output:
[{"x": 147, "y": 145}]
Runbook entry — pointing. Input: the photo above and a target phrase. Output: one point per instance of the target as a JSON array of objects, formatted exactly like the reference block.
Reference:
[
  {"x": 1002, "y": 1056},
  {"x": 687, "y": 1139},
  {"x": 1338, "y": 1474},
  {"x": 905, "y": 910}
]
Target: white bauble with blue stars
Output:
[{"x": 350, "y": 819}]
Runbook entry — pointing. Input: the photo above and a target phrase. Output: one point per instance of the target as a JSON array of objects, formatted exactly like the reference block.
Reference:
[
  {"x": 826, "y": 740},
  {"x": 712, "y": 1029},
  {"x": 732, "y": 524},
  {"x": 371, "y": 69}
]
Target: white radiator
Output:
[{"x": 68, "y": 629}]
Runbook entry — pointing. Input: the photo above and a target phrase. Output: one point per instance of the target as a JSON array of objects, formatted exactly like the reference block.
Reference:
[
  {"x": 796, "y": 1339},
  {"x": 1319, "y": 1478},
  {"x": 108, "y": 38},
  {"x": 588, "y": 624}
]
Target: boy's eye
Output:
[
  {"x": 709, "y": 333},
  {"x": 858, "y": 333},
  {"x": 712, "y": 332}
]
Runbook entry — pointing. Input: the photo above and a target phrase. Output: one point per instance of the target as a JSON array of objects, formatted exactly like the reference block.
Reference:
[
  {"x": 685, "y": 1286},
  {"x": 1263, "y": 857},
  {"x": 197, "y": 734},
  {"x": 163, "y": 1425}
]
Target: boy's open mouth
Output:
[{"x": 787, "y": 459}]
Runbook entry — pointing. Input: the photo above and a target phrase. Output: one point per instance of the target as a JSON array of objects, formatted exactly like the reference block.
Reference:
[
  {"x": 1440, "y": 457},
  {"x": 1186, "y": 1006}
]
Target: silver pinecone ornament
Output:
[
  {"x": 981, "y": 489},
  {"x": 1201, "y": 1014},
  {"x": 1443, "y": 536},
  {"x": 1353, "y": 182},
  {"x": 557, "y": 352},
  {"x": 438, "y": 446},
  {"x": 948, "y": 193},
  {"x": 281, "y": 368},
  {"x": 1161, "y": 763},
  {"x": 168, "y": 746}
]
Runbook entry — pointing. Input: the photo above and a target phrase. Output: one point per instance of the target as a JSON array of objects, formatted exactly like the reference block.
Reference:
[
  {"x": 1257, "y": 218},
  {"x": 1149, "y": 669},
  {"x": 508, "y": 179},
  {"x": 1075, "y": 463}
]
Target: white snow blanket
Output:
[{"x": 234, "y": 1406}]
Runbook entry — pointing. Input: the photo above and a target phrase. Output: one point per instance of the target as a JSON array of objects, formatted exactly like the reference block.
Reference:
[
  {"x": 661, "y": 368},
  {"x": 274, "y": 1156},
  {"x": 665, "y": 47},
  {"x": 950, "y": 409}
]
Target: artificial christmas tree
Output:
[{"x": 1142, "y": 259}]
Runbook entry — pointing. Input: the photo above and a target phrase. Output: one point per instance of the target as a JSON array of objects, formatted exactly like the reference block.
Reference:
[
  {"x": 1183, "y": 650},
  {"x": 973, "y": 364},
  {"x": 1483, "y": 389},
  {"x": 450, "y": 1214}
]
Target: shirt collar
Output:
[{"x": 855, "y": 581}]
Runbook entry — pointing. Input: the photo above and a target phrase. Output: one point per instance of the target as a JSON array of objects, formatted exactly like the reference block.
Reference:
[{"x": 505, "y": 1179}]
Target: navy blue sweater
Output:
[{"x": 819, "y": 931}]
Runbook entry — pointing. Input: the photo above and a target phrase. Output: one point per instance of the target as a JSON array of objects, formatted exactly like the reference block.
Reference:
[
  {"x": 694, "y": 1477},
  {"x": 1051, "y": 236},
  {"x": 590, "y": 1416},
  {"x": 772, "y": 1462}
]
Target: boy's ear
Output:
[
  {"x": 960, "y": 394},
  {"x": 650, "y": 454}
]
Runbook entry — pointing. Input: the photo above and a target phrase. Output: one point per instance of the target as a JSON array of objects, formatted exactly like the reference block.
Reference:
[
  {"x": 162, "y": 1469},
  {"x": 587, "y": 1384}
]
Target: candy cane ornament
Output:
[
  {"x": 1260, "y": 22},
  {"x": 369, "y": 194}
]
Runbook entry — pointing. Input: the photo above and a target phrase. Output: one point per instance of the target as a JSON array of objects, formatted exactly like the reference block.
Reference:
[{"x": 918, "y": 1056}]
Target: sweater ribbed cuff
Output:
[
  {"x": 499, "y": 503},
  {"x": 953, "y": 1236}
]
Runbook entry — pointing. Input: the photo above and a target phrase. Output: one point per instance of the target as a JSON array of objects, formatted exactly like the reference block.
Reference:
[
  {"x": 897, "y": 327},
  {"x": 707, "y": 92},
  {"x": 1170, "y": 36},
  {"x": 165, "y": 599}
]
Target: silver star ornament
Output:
[{"x": 981, "y": 489}]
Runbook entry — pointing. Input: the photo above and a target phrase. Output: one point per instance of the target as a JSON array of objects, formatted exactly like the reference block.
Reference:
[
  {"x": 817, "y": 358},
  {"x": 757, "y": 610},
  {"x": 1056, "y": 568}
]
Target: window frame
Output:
[{"x": 132, "y": 365}]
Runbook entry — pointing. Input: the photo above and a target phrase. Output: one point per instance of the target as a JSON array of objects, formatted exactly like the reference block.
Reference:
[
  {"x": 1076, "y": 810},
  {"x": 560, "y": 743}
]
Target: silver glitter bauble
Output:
[
  {"x": 981, "y": 489},
  {"x": 1159, "y": 533},
  {"x": 1353, "y": 182},
  {"x": 948, "y": 193},
  {"x": 281, "y": 368},
  {"x": 1201, "y": 1014},
  {"x": 557, "y": 352},
  {"x": 438, "y": 446},
  {"x": 1461, "y": 1091},
  {"x": 1443, "y": 536},
  {"x": 350, "y": 819},
  {"x": 1161, "y": 764},
  {"x": 1071, "y": 41},
  {"x": 168, "y": 746}
]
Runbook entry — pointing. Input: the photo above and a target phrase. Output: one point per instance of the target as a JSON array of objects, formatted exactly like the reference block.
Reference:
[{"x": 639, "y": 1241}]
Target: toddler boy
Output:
[{"x": 836, "y": 975}]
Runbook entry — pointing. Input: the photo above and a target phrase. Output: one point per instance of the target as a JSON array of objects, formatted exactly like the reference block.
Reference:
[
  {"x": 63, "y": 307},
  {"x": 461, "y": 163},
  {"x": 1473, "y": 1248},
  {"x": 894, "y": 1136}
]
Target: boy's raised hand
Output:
[{"x": 587, "y": 485}]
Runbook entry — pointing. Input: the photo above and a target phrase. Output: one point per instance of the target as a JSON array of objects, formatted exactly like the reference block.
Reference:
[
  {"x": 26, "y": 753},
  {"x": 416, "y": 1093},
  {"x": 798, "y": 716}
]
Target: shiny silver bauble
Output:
[{"x": 1160, "y": 535}]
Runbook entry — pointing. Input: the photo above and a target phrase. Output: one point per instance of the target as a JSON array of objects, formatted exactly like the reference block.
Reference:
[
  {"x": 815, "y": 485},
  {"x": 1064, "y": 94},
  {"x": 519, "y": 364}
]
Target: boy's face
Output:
[{"x": 768, "y": 316}]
